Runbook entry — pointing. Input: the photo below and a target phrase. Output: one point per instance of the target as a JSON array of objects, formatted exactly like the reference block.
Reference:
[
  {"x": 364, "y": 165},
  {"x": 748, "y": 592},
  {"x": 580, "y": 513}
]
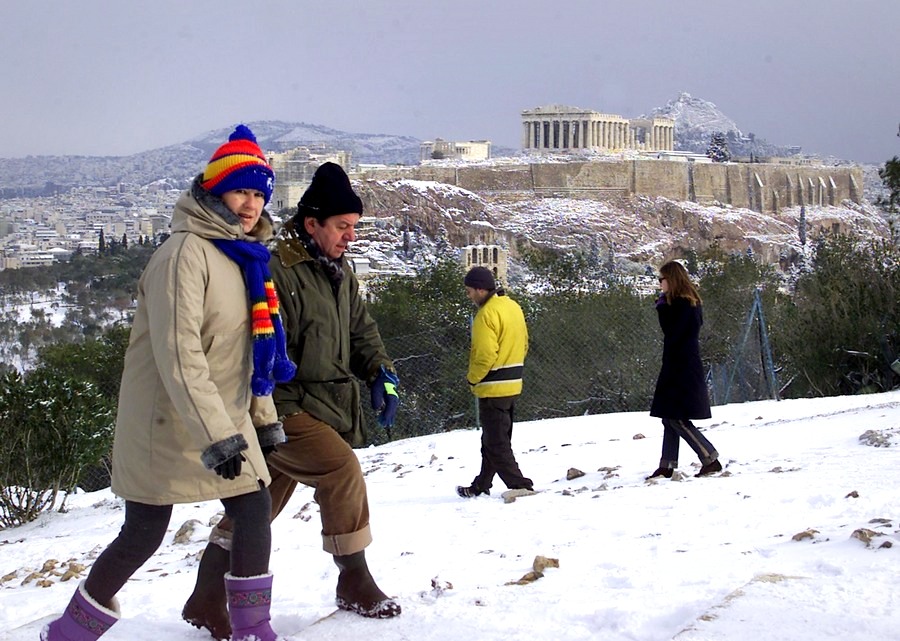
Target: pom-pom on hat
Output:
[
  {"x": 239, "y": 164},
  {"x": 480, "y": 278},
  {"x": 329, "y": 194}
]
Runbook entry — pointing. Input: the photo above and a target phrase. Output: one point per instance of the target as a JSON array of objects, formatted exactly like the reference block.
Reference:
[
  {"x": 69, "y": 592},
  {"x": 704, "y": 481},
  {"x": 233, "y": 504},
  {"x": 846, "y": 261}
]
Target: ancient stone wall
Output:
[{"x": 757, "y": 186}]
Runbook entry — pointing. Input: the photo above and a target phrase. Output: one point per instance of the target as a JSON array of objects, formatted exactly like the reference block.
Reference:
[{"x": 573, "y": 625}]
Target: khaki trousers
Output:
[{"x": 317, "y": 456}]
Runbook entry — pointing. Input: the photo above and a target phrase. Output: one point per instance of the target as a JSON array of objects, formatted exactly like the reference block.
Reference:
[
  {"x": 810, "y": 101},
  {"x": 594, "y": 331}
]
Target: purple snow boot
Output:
[
  {"x": 83, "y": 620},
  {"x": 249, "y": 601}
]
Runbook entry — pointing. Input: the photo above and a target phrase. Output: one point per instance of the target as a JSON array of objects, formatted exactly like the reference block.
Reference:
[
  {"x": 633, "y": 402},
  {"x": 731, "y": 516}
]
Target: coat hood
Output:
[{"x": 202, "y": 213}]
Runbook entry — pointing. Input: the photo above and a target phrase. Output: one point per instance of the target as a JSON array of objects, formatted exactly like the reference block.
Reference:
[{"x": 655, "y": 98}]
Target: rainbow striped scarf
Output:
[{"x": 270, "y": 361}]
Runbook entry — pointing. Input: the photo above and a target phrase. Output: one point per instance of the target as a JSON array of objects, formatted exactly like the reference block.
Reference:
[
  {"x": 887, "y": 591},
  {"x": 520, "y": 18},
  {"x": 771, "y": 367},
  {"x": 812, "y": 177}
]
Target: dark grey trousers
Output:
[
  {"x": 144, "y": 529},
  {"x": 496, "y": 445}
]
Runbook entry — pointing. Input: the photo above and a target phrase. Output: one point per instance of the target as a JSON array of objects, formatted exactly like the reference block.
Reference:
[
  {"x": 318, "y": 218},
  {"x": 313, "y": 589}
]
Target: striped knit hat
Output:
[{"x": 239, "y": 164}]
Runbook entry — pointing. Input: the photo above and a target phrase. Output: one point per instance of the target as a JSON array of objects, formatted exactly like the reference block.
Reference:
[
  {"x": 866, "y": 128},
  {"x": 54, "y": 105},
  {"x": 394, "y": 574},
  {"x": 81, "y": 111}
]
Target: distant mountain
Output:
[
  {"x": 276, "y": 135},
  {"x": 696, "y": 120},
  {"x": 178, "y": 164}
]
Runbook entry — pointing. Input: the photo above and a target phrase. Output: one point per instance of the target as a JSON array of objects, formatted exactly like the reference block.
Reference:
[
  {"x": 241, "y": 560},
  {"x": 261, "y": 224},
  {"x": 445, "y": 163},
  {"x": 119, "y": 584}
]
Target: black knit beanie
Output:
[
  {"x": 329, "y": 194},
  {"x": 480, "y": 278}
]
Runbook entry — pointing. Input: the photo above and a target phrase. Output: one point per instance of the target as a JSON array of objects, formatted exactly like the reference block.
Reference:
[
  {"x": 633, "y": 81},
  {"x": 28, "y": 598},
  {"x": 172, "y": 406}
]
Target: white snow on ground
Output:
[{"x": 798, "y": 538}]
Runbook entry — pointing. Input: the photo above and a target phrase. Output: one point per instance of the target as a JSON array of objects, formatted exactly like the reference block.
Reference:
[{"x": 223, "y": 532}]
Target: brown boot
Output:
[
  {"x": 357, "y": 591},
  {"x": 207, "y": 607}
]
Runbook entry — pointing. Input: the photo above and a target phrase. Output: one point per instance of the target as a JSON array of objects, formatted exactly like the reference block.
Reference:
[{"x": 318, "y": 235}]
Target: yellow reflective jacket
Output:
[{"x": 499, "y": 346}]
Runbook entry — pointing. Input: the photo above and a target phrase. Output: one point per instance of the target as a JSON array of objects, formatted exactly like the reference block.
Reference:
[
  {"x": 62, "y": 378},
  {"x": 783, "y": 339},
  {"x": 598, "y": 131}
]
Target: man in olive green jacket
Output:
[{"x": 334, "y": 342}]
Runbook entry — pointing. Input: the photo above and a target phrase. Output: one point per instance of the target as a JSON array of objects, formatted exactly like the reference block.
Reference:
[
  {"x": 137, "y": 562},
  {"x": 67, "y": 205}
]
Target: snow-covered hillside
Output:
[
  {"x": 797, "y": 539},
  {"x": 639, "y": 231}
]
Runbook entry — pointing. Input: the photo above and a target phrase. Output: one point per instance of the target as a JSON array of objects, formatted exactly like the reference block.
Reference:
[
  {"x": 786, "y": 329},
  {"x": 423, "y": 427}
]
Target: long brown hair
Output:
[{"x": 680, "y": 285}]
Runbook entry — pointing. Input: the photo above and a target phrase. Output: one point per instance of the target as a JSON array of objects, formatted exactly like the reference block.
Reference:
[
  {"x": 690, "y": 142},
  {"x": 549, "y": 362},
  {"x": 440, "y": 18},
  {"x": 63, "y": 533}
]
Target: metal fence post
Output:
[{"x": 766, "y": 348}]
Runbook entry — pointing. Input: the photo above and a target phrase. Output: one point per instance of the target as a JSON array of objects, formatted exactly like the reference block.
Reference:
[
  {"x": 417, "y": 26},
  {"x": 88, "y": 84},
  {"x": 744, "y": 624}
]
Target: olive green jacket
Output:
[{"x": 332, "y": 339}]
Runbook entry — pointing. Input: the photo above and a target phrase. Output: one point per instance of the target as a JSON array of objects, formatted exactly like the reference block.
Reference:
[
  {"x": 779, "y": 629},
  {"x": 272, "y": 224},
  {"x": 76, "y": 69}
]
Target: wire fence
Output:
[{"x": 587, "y": 355}]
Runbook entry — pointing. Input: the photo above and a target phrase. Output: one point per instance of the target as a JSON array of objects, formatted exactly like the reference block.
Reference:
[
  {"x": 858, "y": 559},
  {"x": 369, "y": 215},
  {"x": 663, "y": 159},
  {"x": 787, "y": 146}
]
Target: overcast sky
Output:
[{"x": 106, "y": 77}]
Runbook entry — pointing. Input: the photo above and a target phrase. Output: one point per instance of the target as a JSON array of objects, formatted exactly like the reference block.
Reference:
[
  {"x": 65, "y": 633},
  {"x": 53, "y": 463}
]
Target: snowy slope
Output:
[{"x": 689, "y": 559}]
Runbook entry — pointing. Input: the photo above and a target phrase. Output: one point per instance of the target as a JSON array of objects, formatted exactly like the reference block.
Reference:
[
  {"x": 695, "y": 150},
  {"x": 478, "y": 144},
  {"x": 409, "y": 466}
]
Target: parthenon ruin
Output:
[{"x": 556, "y": 127}]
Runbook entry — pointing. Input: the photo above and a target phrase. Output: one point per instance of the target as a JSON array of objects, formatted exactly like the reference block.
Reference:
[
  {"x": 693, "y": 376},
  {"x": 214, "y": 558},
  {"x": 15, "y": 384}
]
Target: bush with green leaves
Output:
[
  {"x": 731, "y": 342},
  {"x": 52, "y": 428},
  {"x": 728, "y": 285},
  {"x": 424, "y": 322},
  {"x": 590, "y": 353},
  {"x": 840, "y": 331},
  {"x": 98, "y": 360}
]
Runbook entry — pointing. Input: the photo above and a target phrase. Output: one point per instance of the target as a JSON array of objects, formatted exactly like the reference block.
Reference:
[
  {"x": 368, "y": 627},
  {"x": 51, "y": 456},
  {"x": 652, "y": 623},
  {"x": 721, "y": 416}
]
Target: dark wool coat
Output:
[{"x": 681, "y": 387}]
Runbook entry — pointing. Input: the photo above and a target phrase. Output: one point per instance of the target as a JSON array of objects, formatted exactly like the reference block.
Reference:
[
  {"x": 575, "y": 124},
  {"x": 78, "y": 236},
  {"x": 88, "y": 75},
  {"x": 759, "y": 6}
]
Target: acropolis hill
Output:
[{"x": 642, "y": 210}]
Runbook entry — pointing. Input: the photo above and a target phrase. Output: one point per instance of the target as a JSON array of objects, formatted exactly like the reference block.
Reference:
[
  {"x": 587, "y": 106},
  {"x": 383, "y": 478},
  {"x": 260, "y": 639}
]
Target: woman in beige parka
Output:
[{"x": 195, "y": 409}]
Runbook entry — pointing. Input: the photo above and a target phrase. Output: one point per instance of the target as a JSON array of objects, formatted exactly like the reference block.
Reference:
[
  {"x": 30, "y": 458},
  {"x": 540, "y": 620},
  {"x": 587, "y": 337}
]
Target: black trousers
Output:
[
  {"x": 496, "y": 445},
  {"x": 144, "y": 529}
]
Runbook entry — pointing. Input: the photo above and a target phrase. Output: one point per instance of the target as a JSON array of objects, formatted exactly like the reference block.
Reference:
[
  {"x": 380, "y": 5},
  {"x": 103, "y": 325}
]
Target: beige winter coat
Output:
[{"x": 186, "y": 382}]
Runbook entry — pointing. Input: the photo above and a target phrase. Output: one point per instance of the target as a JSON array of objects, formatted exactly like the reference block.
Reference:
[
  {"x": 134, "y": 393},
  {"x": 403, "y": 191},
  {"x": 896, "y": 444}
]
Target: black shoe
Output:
[
  {"x": 661, "y": 471},
  {"x": 709, "y": 468},
  {"x": 470, "y": 492}
]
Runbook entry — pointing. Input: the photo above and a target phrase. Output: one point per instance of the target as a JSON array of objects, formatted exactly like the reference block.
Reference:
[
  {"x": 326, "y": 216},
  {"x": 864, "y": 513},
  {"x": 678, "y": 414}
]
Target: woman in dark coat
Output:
[{"x": 681, "y": 392}]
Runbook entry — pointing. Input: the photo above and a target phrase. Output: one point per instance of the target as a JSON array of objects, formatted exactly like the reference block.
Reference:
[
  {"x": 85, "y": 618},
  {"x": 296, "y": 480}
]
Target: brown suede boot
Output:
[
  {"x": 207, "y": 606},
  {"x": 357, "y": 591}
]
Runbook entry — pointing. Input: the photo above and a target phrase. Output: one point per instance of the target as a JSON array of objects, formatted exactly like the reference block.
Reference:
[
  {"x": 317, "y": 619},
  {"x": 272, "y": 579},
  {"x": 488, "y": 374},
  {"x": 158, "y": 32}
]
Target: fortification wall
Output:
[
  {"x": 662, "y": 178},
  {"x": 757, "y": 186},
  {"x": 496, "y": 179}
]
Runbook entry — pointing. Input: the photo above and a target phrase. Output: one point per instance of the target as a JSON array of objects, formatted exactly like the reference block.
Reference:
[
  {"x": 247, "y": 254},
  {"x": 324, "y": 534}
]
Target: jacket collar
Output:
[
  {"x": 289, "y": 246},
  {"x": 262, "y": 232}
]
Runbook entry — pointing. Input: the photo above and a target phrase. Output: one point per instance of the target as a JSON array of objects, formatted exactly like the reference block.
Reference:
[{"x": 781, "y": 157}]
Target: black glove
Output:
[
  {"x": 268, "y": 449},
  {"x": 230, "y": 469}
]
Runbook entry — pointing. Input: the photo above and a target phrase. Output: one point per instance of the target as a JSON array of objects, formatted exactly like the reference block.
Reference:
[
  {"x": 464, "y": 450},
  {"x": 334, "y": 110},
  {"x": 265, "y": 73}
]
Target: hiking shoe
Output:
[
  {"x": 661, "y": 471},
  {"x": 709, "y": 468},
  {"x": 470, "y": 492}
]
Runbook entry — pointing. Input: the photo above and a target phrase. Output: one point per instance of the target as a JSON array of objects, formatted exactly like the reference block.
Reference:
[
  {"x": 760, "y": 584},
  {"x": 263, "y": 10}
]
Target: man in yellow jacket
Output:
[{"x": 496, "y": 361}]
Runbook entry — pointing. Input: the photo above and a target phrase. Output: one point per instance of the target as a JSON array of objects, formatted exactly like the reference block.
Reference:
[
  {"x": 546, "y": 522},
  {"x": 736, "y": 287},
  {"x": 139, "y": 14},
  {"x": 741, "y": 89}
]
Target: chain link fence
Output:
[{"x": 590, "y": 354}]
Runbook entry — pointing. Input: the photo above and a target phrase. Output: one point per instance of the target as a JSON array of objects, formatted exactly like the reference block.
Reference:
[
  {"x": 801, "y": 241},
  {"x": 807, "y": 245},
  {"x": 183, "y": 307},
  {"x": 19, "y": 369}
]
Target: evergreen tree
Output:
[
  {"x": 718, "y": 148},
  {"x": 426, "y": 318},
  {"x": 890, "y": 176},
  {"x": 101, "y": 245},
  {"x": 802, "y": 229},
  {"x": 841, "y": 330},
  {"x": 559, "y": 270}
]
